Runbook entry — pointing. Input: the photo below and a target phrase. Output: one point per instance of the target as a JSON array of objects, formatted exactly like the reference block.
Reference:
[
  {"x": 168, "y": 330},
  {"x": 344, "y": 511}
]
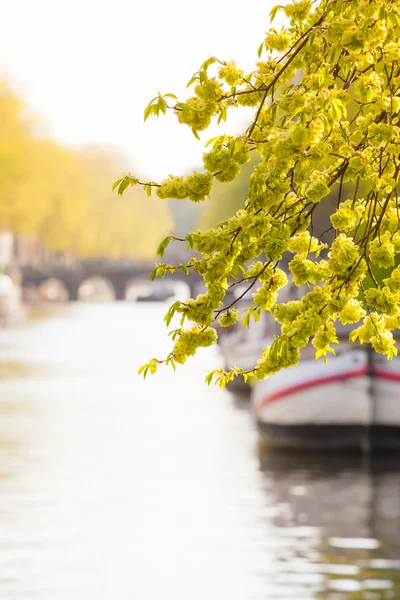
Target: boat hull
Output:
[
  {"x": 385, "y": 387},
  {"x": 239, "y": 387},
  {"x": 384, "y": 437},
  {"x": 314, "y": 437}
]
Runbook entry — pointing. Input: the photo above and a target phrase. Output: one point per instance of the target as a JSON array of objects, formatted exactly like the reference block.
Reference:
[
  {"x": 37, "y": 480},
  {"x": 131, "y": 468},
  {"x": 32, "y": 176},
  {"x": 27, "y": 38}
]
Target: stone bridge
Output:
[{"x": 118, "y": 274}]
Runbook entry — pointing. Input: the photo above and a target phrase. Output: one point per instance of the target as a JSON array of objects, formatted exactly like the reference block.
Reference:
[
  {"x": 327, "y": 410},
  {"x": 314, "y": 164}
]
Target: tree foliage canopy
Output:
[
  {"x": 326, "y": 100},
  {"x": 226, "y": 199},
  {"x": 63, "y": 197}
]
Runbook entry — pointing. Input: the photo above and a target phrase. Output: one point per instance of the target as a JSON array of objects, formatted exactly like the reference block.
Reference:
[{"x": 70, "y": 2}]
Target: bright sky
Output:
[{"x": 90, "y": 67}]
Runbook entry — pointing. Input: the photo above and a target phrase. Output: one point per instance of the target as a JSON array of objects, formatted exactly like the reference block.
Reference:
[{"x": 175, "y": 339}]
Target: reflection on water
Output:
[
  {"x": 12, "y": 369},
  {"x": 115, "y": 489},
  {"x": 343, "y": 517}
]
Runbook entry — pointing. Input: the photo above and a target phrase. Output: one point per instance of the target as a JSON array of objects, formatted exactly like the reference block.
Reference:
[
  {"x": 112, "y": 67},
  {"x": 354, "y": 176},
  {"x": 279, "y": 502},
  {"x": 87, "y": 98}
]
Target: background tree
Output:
[
  {"x": 128, "y": 227},
  {"x": 226, "y": 199},
  {"x": 62, "y": 196}
]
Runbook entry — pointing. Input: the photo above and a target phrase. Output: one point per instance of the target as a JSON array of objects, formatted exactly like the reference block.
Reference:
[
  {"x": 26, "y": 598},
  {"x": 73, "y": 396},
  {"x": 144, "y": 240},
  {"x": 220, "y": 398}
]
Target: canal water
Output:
[{"x": 115, "y": 489}]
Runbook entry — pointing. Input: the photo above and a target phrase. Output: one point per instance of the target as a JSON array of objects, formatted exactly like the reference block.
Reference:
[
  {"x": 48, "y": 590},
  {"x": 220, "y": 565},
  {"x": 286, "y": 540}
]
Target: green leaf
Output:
[
  {"x": 192, "y": 80},
  {"x": 161, "y": 270},
  {"x": 184, "y": 269},
  {"x": 235, "y": 146},
  {"x": 218, "y": 141},
  {"x": 196, "y": 135},
  {"x": 171, "y": 96},
  {"x": 209, "y": 378},
  {"x": 383, "y": 13},
  {"x": 142, "y": 368},
  {"x": 173, "y": 334},
  {"x": 333, "y": 54},
  {"x": 260, "y": 49},
  {"x": 190, "y": 241},
  {"x": 148, "y": 190},
  {"x": 210, "y": 141},
  {"x": 162, "y": 105},
  {"x": 171, "y": 311},
  {"x": 123, "y": 185},
  {"x": 222, "y": 381},
  {"x": 153, "y": 274},
  {"x": 273, "y": 12},
  {"x": 222, "y": 114},
  {"x": 147, "y": 111},
  {"x": 246, "y": 320},
  {"x": 116, "y": 183},
  {"x": 207, "y": 63},
  {"x": 163, "y": 245},
  {"x": 272, "y": 109},
  {"x": 153, "y": 367},
  {"x": 393, "y": 19},
  {"x": 337, "y": 113}
]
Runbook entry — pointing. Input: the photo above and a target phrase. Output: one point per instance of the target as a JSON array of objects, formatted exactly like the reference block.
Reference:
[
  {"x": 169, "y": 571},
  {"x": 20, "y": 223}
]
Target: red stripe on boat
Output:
[
  {"x": 310, "y": 384},
  {"x": 389, "y": 375}
]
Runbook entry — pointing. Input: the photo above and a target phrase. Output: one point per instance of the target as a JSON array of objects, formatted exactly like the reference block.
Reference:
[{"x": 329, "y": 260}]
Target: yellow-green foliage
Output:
[
  {"x": 326, "y": 100},
  {"x": 63, "y": 197}
]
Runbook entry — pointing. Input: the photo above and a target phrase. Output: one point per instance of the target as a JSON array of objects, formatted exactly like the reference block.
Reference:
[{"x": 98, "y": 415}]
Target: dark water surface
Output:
[{"x": 115, "y": 489}]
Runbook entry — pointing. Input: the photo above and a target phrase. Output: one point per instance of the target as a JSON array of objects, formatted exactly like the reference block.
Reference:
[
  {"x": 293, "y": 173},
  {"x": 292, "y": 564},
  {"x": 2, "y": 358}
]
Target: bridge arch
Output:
[
  {"x": 96, "y": 288},
  {"x": 54, "y": 290},
  {"x": 119, "y": 274},
  {"x": 51, "y": 289}
]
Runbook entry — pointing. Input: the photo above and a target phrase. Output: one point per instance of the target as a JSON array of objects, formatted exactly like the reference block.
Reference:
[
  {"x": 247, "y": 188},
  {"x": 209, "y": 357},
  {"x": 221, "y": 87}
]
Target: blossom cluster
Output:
[{"x": 325, "y": 95}]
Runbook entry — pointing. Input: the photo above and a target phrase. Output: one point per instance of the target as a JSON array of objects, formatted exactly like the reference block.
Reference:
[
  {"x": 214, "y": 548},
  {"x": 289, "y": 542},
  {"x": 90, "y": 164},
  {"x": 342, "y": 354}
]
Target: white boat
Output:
[
  {"x": 353, "y": 401},
  {"x": 316, "y": 404}
]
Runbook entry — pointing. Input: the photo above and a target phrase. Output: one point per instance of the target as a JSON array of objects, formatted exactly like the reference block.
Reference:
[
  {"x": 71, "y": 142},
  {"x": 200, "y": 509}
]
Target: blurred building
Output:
[
  {"x": 20, "y": 251},
  {"x": 6, "y": 249}
]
